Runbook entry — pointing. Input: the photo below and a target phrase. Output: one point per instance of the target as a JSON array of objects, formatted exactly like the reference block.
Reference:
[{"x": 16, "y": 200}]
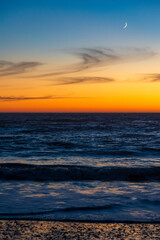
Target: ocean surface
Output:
[{"x": 80, "y": 166}]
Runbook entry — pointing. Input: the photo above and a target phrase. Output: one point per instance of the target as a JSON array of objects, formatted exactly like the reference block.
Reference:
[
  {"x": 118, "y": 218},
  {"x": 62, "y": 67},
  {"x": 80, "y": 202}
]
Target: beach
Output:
[{"x": 26, "y": 229}]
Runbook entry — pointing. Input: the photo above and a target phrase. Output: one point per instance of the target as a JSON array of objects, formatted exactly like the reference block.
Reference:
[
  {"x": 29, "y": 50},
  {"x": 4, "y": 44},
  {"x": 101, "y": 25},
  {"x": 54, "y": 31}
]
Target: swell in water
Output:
[
  {"x": 23, "y": 172},
  {"x": 69, "y": 209}
]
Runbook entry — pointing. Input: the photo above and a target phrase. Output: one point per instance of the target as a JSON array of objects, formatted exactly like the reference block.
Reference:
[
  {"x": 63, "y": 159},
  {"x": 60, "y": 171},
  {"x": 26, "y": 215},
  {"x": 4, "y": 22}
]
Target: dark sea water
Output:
[{"x": 80, "y": 166}]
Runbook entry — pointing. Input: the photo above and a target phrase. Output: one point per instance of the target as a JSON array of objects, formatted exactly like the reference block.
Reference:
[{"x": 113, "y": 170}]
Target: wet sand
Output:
[{"x": 20, "y": 229}]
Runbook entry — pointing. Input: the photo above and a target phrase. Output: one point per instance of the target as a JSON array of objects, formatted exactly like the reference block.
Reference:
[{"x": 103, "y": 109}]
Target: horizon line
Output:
[{"x": 86, "y": 112}]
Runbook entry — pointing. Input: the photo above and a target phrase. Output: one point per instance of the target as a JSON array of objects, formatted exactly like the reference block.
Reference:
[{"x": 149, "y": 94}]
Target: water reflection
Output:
[{"x": 82, "y": 200}]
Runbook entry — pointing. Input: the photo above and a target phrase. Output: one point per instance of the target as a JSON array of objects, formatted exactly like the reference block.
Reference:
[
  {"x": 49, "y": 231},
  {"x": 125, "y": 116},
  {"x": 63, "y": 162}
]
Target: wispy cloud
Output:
[
  {"x": 97, "y": 57},
  {"x": 13, "y": 98},
  {"x": 155, "y": 77},
  {"x": 89, "y": 58},
  {"x": 10, "y": 68},
  {"x": 76, "y": 80}
]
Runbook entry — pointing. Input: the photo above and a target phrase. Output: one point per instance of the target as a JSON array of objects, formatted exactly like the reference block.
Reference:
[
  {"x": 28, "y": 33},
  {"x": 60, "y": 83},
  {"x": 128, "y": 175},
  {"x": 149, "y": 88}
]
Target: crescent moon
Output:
[{"x": 125, "y": 26}]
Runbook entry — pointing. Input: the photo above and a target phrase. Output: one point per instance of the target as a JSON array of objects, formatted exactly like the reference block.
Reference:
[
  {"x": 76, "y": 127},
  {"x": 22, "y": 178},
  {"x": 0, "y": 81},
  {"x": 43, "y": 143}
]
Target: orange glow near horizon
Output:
[
  {"x": 109, "y": 99},
  {"x": 124, "y": 97}
]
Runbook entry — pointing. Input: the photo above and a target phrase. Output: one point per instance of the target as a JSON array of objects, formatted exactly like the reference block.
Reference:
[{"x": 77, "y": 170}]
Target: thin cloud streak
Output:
[
  {"x": 10, "y": 68},
  {"x": 12, "y": 98},
  {"x": 76, "y": 80}
]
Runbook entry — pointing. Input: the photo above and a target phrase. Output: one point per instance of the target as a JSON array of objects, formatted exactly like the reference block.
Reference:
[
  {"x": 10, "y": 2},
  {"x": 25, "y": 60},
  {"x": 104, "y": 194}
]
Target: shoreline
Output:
[
  {"x": 33, "y": 229},
  {"x": 80, "y": 221}
]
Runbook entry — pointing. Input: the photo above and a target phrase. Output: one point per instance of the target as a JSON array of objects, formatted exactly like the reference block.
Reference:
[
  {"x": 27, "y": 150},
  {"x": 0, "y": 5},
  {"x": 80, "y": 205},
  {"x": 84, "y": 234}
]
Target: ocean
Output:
[{"x": 80, "y": 166}]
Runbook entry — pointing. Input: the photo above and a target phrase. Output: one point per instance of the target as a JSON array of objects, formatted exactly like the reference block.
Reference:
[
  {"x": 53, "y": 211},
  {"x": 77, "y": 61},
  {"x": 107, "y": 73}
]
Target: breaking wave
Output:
[{"x": 18, "y": 171}]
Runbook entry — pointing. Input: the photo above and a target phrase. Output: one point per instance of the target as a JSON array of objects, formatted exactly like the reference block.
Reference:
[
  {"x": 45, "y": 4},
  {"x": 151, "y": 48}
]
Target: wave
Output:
[
  {"x": 151, "y": 201},
  {"x": 22, "y": 172},
  {"x": 69, "y": 209}
]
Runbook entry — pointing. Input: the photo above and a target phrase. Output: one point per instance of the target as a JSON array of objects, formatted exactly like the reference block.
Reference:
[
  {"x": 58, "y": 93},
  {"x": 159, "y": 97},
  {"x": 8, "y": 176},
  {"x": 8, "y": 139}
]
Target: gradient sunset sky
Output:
[{"x": 75, "y": 56}]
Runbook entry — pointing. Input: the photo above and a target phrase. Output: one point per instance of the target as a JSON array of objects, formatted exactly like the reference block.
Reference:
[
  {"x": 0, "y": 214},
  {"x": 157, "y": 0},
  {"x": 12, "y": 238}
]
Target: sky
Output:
[{"x": 76, "y": 56}]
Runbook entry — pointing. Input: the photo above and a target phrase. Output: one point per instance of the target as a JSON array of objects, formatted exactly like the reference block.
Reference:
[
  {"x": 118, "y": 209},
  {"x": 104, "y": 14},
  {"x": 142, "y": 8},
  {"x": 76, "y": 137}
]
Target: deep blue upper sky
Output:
[{"x": 35, "y": 27}]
